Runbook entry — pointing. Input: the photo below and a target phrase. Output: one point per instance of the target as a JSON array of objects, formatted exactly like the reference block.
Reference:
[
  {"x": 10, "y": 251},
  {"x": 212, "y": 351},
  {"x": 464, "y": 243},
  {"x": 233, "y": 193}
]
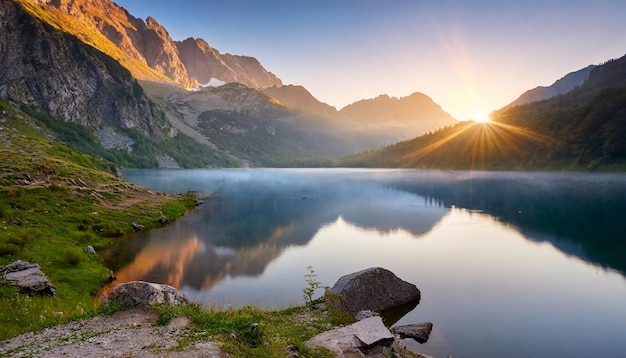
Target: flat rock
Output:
[
  {"x": 27, "y": 277},
  {"x": 135, "y": 293},
  {"x": 419, "y": 331},
  {"x": 346, "y": 341},
  {"x": 375, "y": 289}
]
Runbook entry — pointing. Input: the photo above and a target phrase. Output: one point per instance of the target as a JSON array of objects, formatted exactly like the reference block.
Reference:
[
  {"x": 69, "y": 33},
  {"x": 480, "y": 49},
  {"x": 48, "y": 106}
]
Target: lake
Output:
[{"x": 508, "y": 264}]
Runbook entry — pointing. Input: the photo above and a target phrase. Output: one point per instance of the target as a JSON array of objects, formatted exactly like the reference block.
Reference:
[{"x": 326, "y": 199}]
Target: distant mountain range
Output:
[
  {"x": 120, "y": 88},
  {"x": 582, "y": 129},
  {"x": 142, "y": 99}
]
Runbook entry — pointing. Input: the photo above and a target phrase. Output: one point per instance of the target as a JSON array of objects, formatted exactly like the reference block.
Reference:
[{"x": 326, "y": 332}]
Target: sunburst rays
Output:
[{"x": 477, "y": 145}]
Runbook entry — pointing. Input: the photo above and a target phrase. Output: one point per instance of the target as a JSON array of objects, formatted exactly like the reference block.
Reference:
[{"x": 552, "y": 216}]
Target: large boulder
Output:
[
  {"x": 375, "y": 288},
  {"x": 136, "y": 293},
  {"x": 27, "y": 277}
]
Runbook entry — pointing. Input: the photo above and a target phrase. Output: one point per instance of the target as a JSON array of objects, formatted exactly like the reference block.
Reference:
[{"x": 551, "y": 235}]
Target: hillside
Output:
[
  {"x": 581, "y": 130},
  {"x": 54, "y": 201},
  {"x": 561, "y": 86}
]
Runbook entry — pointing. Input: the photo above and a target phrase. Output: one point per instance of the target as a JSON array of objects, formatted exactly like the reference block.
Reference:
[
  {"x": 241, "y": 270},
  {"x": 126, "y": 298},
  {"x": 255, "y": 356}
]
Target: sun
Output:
[{"x": 481, "y": 117}]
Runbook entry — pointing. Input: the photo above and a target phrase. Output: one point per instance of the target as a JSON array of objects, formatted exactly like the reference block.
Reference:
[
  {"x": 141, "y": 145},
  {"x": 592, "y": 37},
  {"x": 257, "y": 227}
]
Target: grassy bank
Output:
[{"x": 55, "y": 201}]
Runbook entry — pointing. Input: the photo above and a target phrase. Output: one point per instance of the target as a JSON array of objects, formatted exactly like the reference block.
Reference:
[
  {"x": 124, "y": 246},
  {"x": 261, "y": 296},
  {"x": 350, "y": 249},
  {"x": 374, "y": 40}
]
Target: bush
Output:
[
  {"x": 73, "y": 256},
  {"x": 9, "y": 249}
]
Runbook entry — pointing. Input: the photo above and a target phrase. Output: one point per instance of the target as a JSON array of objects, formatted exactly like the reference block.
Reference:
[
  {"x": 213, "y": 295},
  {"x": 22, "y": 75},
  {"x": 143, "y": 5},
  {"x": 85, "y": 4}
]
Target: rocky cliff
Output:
[
  {"x": 205, "y": 63},
  {"x": 58, "y": 74},
  {"x": 146, "y": 48}
]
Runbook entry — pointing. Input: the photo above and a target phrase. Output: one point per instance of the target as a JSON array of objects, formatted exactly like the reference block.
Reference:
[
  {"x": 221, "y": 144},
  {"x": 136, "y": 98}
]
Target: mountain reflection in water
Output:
[
  {"x": 509, "y": 264},
  {"x": 245, "y": 225}
]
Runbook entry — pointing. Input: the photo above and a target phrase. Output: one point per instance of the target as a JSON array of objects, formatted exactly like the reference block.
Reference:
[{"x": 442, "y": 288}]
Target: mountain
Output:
[
  {"x": 121, "y": 89},
  {"x": 399, "y": 118},
  {"x": 300, "y": 98},
  {"x": 56, "y": 73},
  {"x": 205, "y": 63},
  {"x": 146, "y": 48},
  {"x": 583, "y": 129},
  {"x": 561, "y": 86}
]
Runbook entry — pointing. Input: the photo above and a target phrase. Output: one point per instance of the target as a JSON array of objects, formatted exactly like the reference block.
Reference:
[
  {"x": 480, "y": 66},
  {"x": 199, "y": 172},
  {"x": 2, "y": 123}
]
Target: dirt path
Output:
[{"x": 129, "y": 333}]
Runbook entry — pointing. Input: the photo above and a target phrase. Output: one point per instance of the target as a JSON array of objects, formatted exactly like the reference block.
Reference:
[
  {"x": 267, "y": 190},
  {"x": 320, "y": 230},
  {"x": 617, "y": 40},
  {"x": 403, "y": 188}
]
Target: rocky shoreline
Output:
[{"x": 134, "y": 331}]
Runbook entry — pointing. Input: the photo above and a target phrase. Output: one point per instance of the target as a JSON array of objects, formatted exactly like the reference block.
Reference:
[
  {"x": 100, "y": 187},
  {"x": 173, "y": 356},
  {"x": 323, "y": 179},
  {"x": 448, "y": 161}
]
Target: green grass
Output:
[
  {"x": 252, "y": 332},
  {"x": 51, "y": 220}
]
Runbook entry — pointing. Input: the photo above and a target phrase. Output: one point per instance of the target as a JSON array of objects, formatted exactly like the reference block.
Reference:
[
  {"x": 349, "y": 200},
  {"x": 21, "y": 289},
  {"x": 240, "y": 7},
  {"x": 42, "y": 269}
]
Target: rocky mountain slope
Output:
[
  {"x": 205, "y": 63},
  {"x": 561, "y": 86},
  {"x": 57, "y": 74},
  {"x": 79, "y": 61},
  {"x": 146, "y": 48}
]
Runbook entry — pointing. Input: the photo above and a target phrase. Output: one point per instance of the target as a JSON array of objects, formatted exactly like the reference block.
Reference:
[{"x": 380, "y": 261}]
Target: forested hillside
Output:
[{"x": 581, "y": 130}]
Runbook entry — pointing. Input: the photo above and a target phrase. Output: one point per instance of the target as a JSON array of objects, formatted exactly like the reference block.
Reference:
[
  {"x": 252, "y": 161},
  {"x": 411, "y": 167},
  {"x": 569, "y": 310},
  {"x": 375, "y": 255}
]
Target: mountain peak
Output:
[{"x": 146, "y": 48}]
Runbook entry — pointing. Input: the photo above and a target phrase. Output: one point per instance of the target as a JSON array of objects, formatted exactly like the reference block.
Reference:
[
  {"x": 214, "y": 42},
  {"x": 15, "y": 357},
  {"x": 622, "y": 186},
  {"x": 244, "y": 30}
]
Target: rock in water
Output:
[
  {"x": 419, "y": 331},
  {"x": 135, "y": 293},
  {"x": 375, "y": 288},
  {"x": 27, "y": 277}
]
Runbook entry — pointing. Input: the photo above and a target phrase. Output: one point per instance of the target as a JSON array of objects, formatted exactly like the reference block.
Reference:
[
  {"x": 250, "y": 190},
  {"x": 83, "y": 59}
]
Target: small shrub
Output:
[
  {"x": 312, "y": 285},
  {"x": 108, "y": 230},
  {"x": 9, "y": 249},
  {"x": 73, "y": 256},
  {"x": 4, "y": 211},
  {"x": 29, "y": 235}
]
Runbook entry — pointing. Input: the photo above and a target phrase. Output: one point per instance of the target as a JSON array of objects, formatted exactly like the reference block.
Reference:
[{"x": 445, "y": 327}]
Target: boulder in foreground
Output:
[
  {"x": 27, "y": 277},
  {"x": 136, "y": 293},
  {"x": 375, "y": 288}
]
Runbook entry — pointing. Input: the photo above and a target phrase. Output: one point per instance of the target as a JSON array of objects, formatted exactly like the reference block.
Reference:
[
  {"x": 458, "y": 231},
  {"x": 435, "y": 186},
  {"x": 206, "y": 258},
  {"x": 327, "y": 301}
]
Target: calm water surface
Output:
[{"x": 509, "y": 264}]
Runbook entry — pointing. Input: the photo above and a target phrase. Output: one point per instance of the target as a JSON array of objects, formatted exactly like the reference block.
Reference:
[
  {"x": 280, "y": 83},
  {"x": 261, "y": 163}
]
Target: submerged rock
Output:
[
  {"x": 375, "y": 288},
  {"x": 27, "y": 277},
  {"x": 136, "y": 293}
]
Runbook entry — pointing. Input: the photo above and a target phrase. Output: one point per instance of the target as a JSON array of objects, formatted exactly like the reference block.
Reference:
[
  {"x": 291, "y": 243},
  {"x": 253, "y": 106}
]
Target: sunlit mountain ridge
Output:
[{"x": 258, "y": 121}]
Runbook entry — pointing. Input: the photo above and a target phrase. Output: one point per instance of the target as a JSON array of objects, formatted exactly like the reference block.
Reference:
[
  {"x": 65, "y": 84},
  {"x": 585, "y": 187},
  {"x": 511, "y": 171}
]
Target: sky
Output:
[{"x": 470, "y": 57}]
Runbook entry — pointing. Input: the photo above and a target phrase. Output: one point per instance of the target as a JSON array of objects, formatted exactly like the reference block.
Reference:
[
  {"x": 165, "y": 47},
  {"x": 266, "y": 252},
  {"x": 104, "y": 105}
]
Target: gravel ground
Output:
[{"x": 129, "y": 333}]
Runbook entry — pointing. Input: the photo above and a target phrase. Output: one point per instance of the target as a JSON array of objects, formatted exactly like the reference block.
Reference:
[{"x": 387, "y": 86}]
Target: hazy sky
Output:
[{"x": 468, "y": 56}]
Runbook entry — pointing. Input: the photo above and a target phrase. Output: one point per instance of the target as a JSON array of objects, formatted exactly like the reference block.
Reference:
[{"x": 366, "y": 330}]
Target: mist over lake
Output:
[{"x": 509, "y": 264}]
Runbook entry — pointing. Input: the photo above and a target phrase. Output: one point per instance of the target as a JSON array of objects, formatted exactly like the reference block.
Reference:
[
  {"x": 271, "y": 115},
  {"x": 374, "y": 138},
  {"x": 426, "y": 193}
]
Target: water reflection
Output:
[
  {"x": 245, "y": 224},
  {"x": 580, "y": 214},
  {"x": 508, "y": 264}
]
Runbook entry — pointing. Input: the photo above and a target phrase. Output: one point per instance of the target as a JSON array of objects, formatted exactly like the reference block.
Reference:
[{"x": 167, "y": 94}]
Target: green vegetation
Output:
[
  {"x": 187, "y": 152},
  {"x": 259, "y": 137},
  {"x": 251, "y": 332},
  {"x": 312, "y": 285},
  {"x": 581, "y": 130},
  {"x": 54, "y": 201}
]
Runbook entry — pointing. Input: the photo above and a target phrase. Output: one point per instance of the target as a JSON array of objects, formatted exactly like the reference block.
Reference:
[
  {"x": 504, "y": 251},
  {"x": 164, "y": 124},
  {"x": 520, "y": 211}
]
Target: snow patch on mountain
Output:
[{"x": 213, "y": 82}]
